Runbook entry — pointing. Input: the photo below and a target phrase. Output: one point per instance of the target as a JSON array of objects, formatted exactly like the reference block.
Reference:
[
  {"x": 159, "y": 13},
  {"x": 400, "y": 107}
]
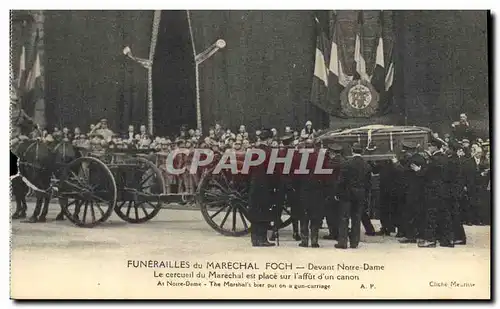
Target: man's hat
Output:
[
  {"x": 266, "y": 134},
  {"x": 309, "y": 123},
  {"x": 465, "y": 141},
  {"x": 408, "y": 145},
  {"x": 356, "y": 147},
  {"x": 335, "y": 147},
  {"x": 287, "y": 138},
  {"x": 258, "y": 132},
  {"x": 437, "y": 142}
]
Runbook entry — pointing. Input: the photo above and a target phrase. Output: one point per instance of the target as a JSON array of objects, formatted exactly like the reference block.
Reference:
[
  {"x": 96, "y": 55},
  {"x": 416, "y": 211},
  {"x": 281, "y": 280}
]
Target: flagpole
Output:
[
  {"x": 152, "y": 50},
  {"x": 197, "y": 75}
]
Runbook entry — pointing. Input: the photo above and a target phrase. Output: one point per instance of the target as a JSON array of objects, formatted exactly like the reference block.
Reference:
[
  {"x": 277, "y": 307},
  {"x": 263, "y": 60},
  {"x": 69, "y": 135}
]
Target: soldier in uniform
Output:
[
  {"x": 312, "y": 200},
  {"x": 259, "y": 197},
  {"x": 353, "y": 184},
  {"x": 335, "y": 161},
  {"x": 438, "y": 214},
  {"x": 287, "y": 187}
]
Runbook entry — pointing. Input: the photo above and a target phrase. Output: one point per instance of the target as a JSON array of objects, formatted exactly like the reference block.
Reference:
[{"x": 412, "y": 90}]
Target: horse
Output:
[{"x": 38, "y": 163}]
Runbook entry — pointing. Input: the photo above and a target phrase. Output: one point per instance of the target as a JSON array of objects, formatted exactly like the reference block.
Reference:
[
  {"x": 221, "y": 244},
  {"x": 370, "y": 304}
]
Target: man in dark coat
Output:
[
  {"x": 335, "y": 161},
  {"x": 287, "y": 190},
  {"x": 438, "y": 213},
  {"x": 456, "y": 183},
  {"x": 477, "y": 174},
  {"x": 393, "y": 186},
  {"x": 311, "y": 199},
  {"x": 353, "y": 184},
  {"x": 260, "y": 197},
  {"x": 412, "y": 214}
]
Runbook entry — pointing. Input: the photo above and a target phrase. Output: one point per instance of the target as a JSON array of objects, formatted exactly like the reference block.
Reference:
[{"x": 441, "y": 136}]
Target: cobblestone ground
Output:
[{"x": 58, "y": 259}]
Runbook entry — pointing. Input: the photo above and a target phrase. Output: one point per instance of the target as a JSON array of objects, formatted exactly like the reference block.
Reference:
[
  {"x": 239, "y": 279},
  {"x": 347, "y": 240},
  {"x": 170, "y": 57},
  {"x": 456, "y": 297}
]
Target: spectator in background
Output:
[
  {"x": 461, "y": 129},
  {"x": 307, "y": 131}
]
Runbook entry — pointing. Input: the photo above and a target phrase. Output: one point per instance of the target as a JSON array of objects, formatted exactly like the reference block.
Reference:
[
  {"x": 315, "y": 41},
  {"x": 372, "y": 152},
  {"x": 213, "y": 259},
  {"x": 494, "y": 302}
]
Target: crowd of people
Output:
[
  {"x": 424, "y": 195},
  {"x": 427, "y": 193}
]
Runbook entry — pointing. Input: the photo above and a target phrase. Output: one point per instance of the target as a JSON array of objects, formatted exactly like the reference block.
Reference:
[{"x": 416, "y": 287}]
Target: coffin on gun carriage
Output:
[{"x": 223, "y": 197}]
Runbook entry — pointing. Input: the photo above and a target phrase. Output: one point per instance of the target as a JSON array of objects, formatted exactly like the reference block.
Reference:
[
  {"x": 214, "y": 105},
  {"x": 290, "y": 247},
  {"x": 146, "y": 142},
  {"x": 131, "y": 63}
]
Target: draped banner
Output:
[{"x": 354, "y": 70}]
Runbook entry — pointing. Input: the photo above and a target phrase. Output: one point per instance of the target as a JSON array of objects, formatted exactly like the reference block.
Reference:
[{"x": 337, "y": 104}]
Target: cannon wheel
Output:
[
  {"x": 139, "y": 199},
  {"x": 221, "y": 198},
  {"x": 224, "y": 204},
  {"x": 89, "y": 184}
]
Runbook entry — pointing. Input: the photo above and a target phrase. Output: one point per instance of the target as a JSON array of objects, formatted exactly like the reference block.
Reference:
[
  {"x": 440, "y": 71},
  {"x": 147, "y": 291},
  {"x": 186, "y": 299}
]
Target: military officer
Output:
[
  {"x": 335, "y": 161},
  {"x": 260, "y": 197},
  {"x": 311, "y": 199},
  {"x": 287, "y": 187},
  {"x": 353, "y": 184}
]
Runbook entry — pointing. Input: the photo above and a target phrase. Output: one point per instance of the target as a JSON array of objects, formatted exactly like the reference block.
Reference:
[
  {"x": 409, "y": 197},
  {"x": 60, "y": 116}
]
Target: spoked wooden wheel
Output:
[
  {"x": 139, "y": 198},
  {"x": 87, "y": 192},
  {"x": 223, "y": 201}
]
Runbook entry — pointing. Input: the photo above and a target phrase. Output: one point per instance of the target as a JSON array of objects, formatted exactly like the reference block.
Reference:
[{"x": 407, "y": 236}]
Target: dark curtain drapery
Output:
[
  {"x": 263, "y": 76},
  {"x": 174, "y": 92},
  {"x": 87, "y": 76}
]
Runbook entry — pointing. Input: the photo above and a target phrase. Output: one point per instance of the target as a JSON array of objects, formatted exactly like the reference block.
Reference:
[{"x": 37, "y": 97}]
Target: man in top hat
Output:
[
  {"x": 260, "y": 196},
  {"x": 353, "y": 185},
  {"x": 334, "y": 160},
  {"x": 438, "y": 213}
]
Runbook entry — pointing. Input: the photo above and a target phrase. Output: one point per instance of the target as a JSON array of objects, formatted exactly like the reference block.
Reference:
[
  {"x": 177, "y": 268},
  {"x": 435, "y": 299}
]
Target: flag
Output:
[
  {"x": 357, "y": 94},
  {"x": 34, "y": 74},
  {"x": 320, "y": 84},
  {"x": 389, "y": 78},
  {"x": 359, "y": 59},
  {"x": 33, "y": 94},
  {"x": 379, "y": 72},
  {"x": 22, "y": 66}
]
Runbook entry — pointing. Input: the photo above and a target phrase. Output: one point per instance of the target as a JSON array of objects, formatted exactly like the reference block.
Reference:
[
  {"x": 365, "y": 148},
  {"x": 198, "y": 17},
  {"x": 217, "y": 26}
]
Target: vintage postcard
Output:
[{"x": 250, "y": 154}]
